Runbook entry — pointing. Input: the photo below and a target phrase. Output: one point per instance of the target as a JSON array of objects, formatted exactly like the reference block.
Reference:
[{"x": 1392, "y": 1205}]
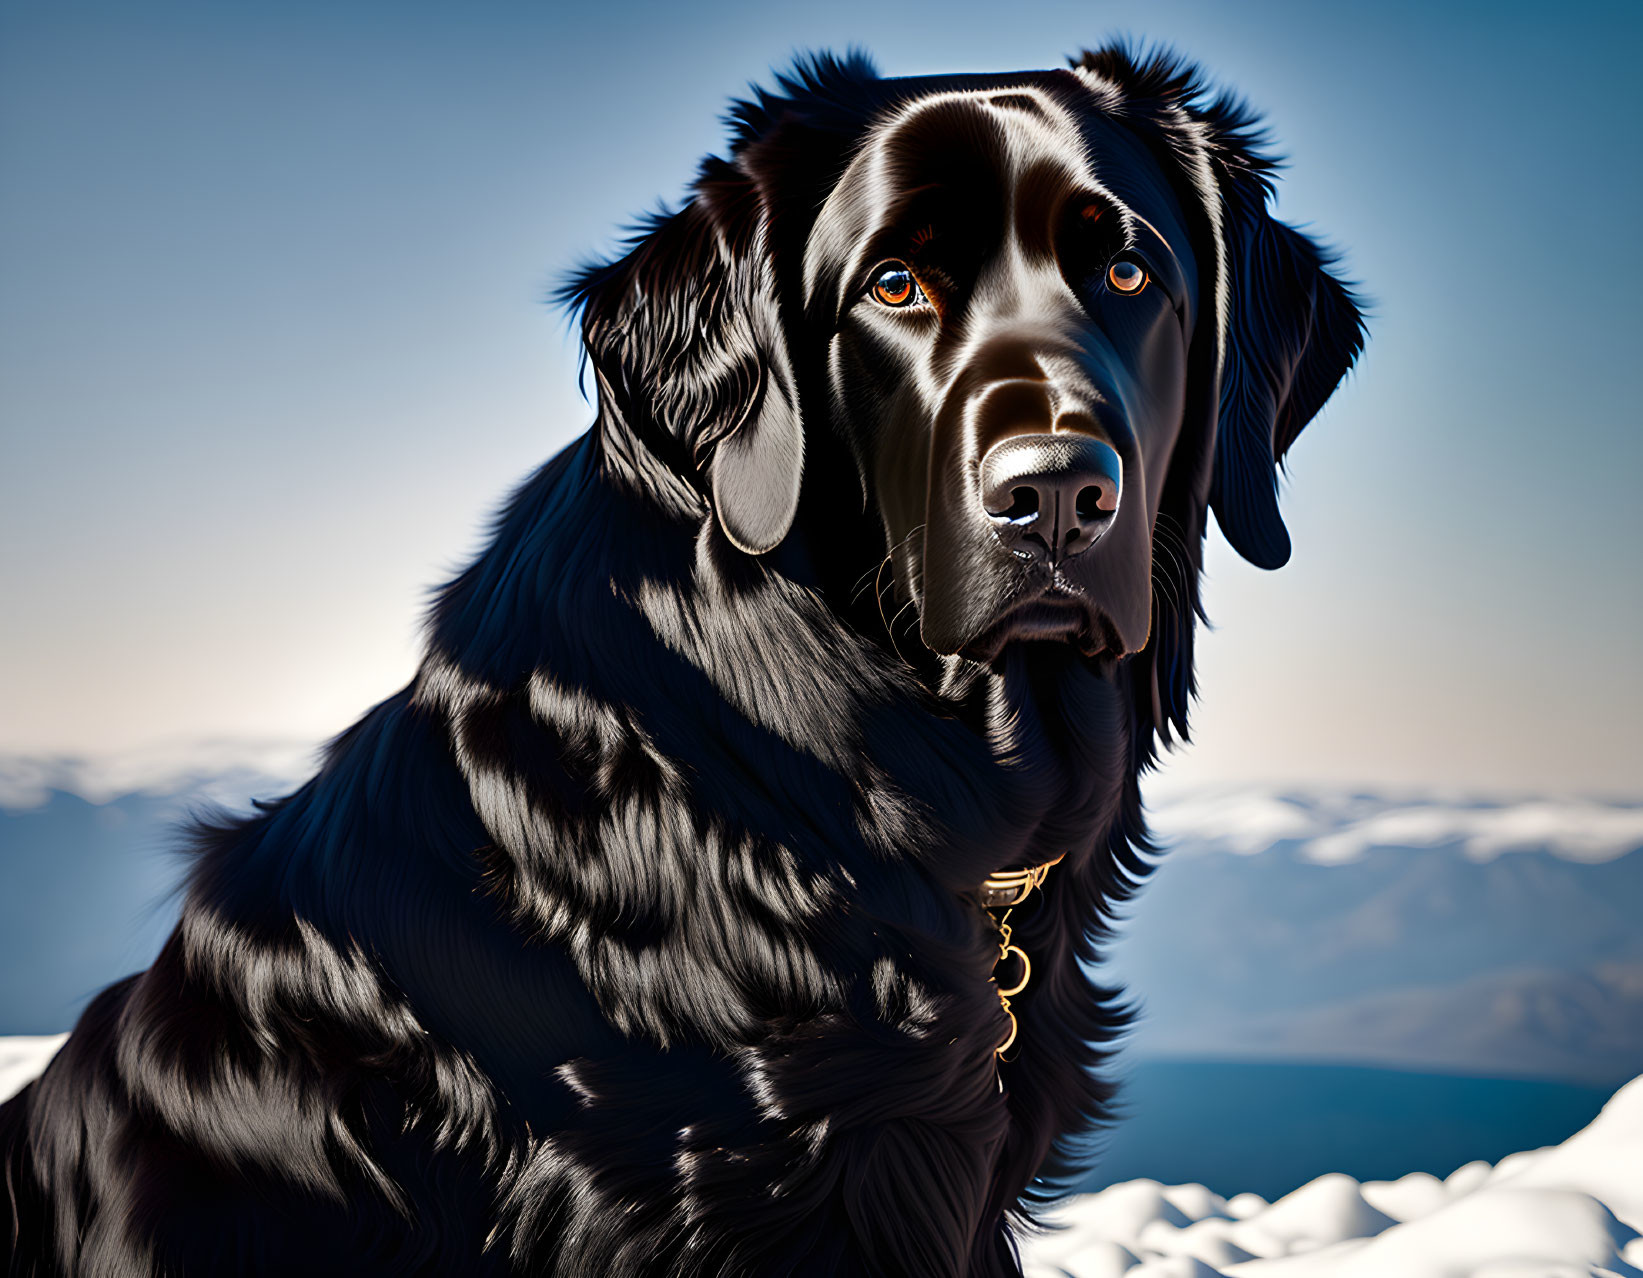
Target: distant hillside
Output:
[
  {"x": 88, "y": 885},
  {"x": 86, "y": 896},
  {"x": 1500, "y": 939},
  {"x": 1529, "y": 964}
]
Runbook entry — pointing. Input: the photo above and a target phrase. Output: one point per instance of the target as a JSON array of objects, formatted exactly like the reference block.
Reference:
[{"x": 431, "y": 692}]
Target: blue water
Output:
[{"x": 1270, "y": 1128}]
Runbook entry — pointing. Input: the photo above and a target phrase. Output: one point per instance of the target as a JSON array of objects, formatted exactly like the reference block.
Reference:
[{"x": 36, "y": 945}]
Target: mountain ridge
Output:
[{"x": 1492, "y": 958}]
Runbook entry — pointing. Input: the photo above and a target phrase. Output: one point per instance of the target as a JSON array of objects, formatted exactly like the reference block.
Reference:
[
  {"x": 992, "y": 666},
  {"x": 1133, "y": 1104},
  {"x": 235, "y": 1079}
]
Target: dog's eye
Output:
[
  {"x": 1125, "y": 276},
  {"x": 894, "y": 285}
]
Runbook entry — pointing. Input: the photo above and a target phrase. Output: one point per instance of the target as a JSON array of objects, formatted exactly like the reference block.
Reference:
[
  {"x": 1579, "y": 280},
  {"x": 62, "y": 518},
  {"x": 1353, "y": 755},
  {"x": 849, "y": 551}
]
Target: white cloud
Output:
[
  {"x": 1333, "y": 828},
  {"x": 217, "y": 769},
  {"x": 1327, "y": 826}
]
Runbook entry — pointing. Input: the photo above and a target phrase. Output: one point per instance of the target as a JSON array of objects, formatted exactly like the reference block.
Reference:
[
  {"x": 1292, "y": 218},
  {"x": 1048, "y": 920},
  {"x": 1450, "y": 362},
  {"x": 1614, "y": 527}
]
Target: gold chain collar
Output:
[{"x": 1004, "y": 890}]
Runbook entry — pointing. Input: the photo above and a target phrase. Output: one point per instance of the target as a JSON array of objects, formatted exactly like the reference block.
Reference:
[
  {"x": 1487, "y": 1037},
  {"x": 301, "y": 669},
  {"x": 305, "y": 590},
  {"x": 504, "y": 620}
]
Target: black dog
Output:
[{"x": 645, "y": 933}]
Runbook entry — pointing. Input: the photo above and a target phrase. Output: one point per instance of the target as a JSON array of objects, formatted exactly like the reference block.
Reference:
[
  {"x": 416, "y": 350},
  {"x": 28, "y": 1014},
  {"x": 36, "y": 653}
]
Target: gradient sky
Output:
[{"x": 273, "y": 343}]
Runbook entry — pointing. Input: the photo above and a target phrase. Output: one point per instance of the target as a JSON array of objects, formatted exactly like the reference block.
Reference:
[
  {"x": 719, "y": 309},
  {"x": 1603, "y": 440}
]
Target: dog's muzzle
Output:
[{"x": 1051, "y": 496}]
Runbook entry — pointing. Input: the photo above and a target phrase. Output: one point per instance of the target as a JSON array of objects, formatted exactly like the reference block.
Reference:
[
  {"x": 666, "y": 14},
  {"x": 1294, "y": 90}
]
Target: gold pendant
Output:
[{"x": 1004, "y": 890}]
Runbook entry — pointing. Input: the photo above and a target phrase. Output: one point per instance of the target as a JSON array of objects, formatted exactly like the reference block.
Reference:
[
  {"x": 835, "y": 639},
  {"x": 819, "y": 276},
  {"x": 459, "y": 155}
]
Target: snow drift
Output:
[{"x": 1571, "y": 1209}]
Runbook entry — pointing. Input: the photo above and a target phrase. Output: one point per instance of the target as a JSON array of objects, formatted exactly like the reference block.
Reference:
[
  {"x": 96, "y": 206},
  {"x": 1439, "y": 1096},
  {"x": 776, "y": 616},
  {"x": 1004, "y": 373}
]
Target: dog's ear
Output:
[
  {"x": 686, "y": 338},
  {"x": 1289, "y": 329},
  {"x": 1292, "y": 332},
  {"x": 689, "y": 333}
]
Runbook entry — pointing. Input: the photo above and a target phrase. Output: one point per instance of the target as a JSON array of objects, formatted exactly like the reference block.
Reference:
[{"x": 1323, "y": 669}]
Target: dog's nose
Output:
[{"x": 1051, "y": 496}]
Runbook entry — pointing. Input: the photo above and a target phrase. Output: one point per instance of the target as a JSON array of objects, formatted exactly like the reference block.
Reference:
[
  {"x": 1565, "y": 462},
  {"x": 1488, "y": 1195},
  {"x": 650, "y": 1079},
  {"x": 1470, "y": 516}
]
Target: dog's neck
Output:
[{"x": 1048, "y": 732}]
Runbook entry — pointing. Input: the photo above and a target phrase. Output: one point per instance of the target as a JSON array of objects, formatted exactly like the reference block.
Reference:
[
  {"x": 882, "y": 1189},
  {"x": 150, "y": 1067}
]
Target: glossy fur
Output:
[{"x": 637, "y": 936}]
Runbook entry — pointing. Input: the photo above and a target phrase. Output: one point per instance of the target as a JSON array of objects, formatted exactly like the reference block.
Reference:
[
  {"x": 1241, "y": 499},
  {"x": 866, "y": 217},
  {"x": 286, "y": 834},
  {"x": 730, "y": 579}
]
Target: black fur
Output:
[{"x": 638, "y": 936}]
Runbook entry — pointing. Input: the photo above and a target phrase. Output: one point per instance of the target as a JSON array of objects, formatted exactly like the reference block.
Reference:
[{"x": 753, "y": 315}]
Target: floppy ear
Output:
[
  {"x": 1289, "y": 329},
  {"x": 686, "y": 337},
  {"x": 1293, "y": 330}
]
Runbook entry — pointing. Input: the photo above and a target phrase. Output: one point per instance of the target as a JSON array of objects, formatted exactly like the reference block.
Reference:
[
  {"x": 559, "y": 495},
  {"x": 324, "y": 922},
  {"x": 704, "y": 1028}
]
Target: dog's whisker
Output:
[
  {"x": 878, "y": 589},
  {"x": 869, "y": 579}
]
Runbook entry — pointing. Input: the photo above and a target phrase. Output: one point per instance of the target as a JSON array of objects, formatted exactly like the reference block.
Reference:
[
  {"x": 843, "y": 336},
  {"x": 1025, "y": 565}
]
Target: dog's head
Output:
[{"x": 1042, "y": 320}]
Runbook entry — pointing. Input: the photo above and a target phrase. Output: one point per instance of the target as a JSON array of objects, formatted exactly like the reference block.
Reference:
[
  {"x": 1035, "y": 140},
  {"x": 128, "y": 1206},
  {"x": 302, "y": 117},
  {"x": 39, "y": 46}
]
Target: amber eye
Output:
[
  {"x": 895, "y": 286},
  {"x": 1125, "y": 276}
]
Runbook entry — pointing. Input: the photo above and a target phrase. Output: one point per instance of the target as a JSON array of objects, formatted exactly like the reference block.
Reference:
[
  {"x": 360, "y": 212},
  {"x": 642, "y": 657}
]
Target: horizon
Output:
[{"x": 275, "y": 343}]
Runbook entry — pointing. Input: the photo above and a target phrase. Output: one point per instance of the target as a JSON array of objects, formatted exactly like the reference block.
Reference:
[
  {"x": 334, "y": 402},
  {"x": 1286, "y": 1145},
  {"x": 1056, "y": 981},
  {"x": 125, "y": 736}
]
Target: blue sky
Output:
[{"x": 273, "y": 343}]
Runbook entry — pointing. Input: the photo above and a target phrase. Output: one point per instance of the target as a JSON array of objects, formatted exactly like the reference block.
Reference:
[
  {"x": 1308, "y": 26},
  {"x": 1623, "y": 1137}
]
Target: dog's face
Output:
[
  {"x": 1046, "y": 319},
  {"x": 1012, "y": 291}
]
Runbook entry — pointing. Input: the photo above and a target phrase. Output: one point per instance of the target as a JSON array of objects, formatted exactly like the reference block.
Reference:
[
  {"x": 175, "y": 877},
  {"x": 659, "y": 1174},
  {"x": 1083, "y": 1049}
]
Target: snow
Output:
[
  {"x": 1567, "y": 1210},
  {"x": 21, "y": 1058},
  {"x": 1573, "y": 1210}
]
